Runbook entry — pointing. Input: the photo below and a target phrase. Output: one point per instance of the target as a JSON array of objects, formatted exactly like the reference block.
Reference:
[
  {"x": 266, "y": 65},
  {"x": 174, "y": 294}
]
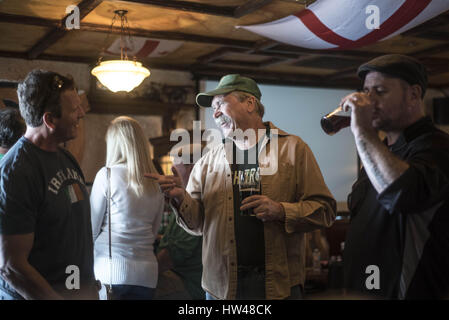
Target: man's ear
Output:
[
  {"x": 416, "y": 92},
  {"x": 49, "y": 120},
  {"x": 251, "y": 104}
]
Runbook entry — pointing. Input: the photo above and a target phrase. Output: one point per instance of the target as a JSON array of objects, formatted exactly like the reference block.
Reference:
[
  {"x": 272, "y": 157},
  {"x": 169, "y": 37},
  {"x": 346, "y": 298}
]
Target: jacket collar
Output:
[
  {"x": 271, "y": 126},
  {"x": 413, "y": 131}
]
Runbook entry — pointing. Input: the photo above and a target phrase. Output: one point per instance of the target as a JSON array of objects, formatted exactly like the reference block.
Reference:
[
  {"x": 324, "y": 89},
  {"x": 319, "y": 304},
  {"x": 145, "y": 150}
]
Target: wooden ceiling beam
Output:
[
  {"x": 265, "y": 45},
  {"x": 24, "y": 55},
  {"x": 217, "y": 73},
  {"x": 351, "y": 54},
  {"x": 85, "y": 7},
  {"x": 221, "y": 11},
  {"x": 342, "y": 74},
  {"x": 431, "y": 51},
  {"x": 429, "y": 26},
  {"x": 273, "y": 62},
  {"x": 168, "y": 35},
  {"x": 217, "y": 54},
  {"x": 249, "y": 7},
  {"x": 87, "y": 60},
  {"x": 280, "y": 78},
  {"x": 433, "y": 35},
  {"x": 237, "y": 63},
  {"x": 276, "y": 61},
  {"x": 222, "y": 52},
  {"x": 27, "y": 20},
  {"x": 435, "y": 66}
]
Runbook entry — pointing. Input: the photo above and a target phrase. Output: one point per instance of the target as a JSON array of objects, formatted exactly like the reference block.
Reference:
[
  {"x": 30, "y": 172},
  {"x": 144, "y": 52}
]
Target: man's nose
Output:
[{"x": 217, "y": 113}]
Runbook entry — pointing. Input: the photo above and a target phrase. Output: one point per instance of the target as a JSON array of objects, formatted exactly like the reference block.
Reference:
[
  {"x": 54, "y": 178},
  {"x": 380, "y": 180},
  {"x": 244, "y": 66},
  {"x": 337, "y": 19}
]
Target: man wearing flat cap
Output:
[
  {"x": 397, "y": 246},
  {"x": 260, "y": 255}
]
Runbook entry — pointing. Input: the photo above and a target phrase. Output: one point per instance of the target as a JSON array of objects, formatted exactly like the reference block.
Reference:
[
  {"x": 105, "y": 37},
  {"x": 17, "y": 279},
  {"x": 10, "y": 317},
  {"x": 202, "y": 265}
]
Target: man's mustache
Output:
[{"x": 222, "y": 120}]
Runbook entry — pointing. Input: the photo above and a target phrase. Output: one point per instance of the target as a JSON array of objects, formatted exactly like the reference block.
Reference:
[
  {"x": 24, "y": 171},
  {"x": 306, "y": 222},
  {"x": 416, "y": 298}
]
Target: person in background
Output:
[
  {"x": 397, "y": 244},
  {"x": 12, "y": 127},
  {"x": 46, "y": 249},
  {"x": 179, "y": 253},
  {"x": 260, "y": 255},
  {"x": 136, "y": 211}
]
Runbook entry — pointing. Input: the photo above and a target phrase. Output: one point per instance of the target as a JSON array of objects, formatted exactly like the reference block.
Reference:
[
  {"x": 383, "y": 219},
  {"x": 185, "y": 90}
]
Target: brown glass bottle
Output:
[{"x": 335, "y": 121}]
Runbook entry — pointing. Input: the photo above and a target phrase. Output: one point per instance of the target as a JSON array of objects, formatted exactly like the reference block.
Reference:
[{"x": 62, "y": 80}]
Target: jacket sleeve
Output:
[
  {"x": 315, "y": 207},
  {"x": 98, "y": 202},
  {"x": 422, "y": 185},
  {"x": 190, "y": 213}
]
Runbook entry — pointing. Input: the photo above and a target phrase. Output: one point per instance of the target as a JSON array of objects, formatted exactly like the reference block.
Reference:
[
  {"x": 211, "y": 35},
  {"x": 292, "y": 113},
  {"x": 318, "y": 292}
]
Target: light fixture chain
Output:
[
  {"x": 105, "y": 43},
  {"x": 122, "y": 31},
  {"x": 130, "y": 39}
]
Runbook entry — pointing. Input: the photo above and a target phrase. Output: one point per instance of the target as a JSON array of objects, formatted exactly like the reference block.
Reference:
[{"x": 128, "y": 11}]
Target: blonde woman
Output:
[{"x": 136, "y": 211}]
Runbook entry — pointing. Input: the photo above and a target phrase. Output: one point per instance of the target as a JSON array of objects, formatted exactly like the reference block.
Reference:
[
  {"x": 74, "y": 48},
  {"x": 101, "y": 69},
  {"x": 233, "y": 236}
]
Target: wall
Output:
[
  {"x": 95, "y": 149},
  {"x": 96, "y": 124},
  {"x": 17, "y": 69},
  {"x": 428, "y": 100}
]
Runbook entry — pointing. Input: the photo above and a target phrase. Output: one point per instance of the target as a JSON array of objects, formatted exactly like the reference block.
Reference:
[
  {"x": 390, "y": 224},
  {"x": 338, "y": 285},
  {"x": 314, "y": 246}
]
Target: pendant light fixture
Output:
[{"x": 123, "y": 74}]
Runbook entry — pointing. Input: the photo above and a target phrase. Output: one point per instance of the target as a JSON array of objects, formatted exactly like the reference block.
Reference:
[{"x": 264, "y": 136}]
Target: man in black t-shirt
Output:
[
  {"x": 397, "y": 245},
  {"x": 45, "y": 229}
]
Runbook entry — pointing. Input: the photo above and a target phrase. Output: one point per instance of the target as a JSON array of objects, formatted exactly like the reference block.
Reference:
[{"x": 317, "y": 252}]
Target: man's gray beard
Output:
[{"x": 222, "y": 119}]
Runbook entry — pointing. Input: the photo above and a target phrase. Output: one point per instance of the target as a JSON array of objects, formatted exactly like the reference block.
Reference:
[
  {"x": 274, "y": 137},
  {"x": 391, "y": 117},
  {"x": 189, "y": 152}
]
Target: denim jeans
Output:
[
  {"x": 128, "y": 292},
  {"x": 7, "y": 296}
]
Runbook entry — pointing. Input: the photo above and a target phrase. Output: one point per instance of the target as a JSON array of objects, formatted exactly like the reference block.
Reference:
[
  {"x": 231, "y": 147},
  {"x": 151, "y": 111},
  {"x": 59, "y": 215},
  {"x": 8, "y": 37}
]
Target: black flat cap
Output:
[{"x": 398, "y": 66}]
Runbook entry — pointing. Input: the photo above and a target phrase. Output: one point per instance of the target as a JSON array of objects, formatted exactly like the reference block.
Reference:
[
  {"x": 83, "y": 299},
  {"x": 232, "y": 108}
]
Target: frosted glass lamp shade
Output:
[{"x": 120, "y": 75}]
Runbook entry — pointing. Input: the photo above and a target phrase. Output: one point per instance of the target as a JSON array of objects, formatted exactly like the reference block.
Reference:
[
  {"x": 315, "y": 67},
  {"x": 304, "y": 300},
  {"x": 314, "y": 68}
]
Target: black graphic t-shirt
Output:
[
  {"x": 44, "y": 193},
  {"x": 249, "y": 230}
]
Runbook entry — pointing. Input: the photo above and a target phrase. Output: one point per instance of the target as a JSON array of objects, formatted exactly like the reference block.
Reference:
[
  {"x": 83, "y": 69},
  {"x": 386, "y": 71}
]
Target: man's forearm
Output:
[
  {"x": 381, "y": 165},
  {"x": 29, "y": 283}
]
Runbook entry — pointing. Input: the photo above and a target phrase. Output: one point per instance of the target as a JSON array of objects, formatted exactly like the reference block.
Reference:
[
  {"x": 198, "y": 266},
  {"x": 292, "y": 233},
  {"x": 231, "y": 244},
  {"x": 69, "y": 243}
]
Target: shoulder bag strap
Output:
[{"x": 109, "y": 289}]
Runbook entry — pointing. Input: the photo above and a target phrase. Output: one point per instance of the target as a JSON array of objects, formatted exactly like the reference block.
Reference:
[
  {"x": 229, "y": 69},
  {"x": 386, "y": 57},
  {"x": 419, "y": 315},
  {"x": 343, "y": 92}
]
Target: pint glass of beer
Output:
[
  {"x": 336, "y": 120},
  {"x": 249, "y": 185}
]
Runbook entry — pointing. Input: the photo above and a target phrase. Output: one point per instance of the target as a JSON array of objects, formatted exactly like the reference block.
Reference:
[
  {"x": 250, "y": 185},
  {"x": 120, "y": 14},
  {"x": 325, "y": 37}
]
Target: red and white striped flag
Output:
[
  {"x": 145, "y": 48},
  {"x": 343, "y": 24}
]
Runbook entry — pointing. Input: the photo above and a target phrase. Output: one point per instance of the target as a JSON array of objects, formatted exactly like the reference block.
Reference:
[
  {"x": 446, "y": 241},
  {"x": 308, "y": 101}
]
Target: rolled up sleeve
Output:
[{"x": 423, "y": 184}]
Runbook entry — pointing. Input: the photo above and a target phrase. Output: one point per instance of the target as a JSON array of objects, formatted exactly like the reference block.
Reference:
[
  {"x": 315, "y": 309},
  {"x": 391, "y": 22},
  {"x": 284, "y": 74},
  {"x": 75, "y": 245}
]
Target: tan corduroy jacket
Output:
[{"x": 208, "y": 210}]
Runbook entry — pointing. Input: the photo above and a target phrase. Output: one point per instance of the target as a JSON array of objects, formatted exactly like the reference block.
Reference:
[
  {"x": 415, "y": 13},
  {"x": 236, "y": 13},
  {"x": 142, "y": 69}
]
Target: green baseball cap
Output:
[{"x": 227, "y": 84}]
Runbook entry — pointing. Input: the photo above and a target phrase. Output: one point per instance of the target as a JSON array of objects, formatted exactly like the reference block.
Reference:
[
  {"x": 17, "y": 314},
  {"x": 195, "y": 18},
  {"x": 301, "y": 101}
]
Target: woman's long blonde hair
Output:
[{"x": 126, "y": 144}]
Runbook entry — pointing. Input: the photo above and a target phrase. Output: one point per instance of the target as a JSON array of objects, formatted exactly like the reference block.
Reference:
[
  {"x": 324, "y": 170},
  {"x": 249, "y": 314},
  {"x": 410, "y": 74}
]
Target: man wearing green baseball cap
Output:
[
  {"x": 231, "y": 88},
  {"x": 253, "y": 220}
]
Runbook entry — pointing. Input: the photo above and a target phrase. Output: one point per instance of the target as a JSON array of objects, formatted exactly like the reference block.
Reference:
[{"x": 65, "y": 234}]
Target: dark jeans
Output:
[
  {"x": 127, "y": 292},
  {"x": 4, "y": 295},
  {"x": 251, "y": 285}
]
